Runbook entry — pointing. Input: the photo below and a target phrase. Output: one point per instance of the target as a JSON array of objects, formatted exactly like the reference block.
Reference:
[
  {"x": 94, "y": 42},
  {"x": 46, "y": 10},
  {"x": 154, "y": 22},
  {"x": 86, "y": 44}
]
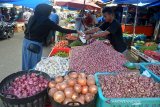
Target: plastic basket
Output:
[
  {"x": 73, "y": 104},
  {"x": 143, "y": 67},
  {"x": 123, "y": 102},
  {"x": 37, "y": 100}
]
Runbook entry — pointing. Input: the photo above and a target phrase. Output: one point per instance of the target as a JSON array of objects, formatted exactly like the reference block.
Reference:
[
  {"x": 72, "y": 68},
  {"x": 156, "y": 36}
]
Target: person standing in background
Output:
[
  {"x": 13, "y": 13},
  {"x": 26, "y": 15},
  {"x": 79, "y": 25},
  {"x": 55, "y": 18}
]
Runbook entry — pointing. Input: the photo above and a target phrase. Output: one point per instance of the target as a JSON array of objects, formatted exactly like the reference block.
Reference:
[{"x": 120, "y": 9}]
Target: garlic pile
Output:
[{"x": 53, "y": 66}]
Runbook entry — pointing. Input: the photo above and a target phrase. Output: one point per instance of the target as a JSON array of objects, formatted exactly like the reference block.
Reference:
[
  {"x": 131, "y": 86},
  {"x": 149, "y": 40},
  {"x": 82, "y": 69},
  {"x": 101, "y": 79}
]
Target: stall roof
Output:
[
  {"x": 157, "y": 3},
  {"x": 133, "y": 1},
  {"x": 30, "y": 3},
  {"x": 7, "y": 1}
]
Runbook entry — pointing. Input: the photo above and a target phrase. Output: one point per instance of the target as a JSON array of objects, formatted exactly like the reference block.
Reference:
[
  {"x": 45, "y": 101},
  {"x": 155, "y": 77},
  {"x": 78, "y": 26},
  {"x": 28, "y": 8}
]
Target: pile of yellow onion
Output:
[{"x": 75, "y": 87}]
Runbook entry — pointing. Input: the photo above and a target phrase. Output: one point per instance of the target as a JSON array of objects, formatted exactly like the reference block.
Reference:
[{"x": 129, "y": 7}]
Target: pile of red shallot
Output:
[
  {"x": 155, "y": 69},
  {"x": 128, "y": 85},
  {"x": 26, "y": 85},
  {"x": 96, "y": 57},
  {"x": 75, "y": 87}
]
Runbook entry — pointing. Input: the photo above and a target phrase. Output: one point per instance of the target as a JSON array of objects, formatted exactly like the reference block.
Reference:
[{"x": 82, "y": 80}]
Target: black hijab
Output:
[{"x": 41, "y": 14}]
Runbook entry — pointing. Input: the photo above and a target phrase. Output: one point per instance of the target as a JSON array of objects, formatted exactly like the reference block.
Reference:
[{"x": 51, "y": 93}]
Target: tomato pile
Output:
[
  {"x": 152, "y": 54},
  {"x": 61, "y": 44},
  {"x": 71, "y": 37}
]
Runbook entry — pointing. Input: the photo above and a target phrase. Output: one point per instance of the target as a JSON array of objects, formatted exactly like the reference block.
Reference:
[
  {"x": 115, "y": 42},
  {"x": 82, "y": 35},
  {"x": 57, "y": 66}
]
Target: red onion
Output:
[
  {"x": 96, "y": 57},
  {"x": 128, "y": 85},
  {"x": 27, "y": 85}
]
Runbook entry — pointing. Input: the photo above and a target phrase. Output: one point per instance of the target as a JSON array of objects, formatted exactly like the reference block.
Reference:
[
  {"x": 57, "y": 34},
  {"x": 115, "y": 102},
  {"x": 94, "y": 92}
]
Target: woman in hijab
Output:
[{"x": 39, "y": 26}]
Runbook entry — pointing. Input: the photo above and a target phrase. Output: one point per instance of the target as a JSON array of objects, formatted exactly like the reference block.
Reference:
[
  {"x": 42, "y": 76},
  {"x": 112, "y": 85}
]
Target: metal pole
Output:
[
  {"x": 135, "y": 20},
  {"x": 84, "y": 4}
]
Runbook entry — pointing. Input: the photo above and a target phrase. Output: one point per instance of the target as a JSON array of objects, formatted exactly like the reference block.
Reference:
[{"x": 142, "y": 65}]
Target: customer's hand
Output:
[
  {"x": 80, "y": 33},
  {"x": 107, "y": 42}
]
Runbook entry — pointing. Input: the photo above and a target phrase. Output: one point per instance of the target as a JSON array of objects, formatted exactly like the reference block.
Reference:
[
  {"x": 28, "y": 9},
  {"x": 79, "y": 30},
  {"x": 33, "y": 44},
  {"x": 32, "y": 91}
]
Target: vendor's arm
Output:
[
  {"x": 97, "y": 35},
  {"x": 92, "y": 31}
]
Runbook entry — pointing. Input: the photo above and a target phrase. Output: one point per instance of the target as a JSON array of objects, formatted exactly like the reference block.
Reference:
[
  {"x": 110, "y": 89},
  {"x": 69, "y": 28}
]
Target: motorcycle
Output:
[{"x": 6, "y": 29}]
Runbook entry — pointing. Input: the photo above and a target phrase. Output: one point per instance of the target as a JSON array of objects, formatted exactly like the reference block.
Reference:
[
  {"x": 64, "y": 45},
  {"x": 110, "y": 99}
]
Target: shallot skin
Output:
[{"x": 96, "y": 57}]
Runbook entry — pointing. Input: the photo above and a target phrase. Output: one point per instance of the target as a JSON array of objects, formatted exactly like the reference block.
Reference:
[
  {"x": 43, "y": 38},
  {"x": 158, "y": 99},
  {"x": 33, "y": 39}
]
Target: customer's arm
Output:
[
  {"x": 92, "y": 31},
  {"x": 56, "y": 27}
]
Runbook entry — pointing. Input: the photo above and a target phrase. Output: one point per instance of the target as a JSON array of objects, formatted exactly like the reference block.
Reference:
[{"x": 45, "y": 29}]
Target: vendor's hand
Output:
[
  {"x": 87, "y": 37},
  {"x": 107, "y": 42}
]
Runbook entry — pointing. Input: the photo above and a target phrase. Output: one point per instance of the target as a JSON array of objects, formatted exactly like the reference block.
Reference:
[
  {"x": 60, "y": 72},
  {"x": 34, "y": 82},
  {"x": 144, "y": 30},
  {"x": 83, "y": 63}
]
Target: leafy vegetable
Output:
[
  {"x": 62, "y": 54},
  {"x": 76, "y": 43}
]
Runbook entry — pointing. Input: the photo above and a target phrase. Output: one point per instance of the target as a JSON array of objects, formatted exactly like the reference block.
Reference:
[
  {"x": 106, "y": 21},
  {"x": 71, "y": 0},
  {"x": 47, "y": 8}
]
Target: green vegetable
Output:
[
  {"x": 62, "y": 54},
  {"x": 61, "y": 34},
  {"x": 76, "y": 43},
  {"x": 152, "y": 48},
  {"x": 101, "y": 38}
]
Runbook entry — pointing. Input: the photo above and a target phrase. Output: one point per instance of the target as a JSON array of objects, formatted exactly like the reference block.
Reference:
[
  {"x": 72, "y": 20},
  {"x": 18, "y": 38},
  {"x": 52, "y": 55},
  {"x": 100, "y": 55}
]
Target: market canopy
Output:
[
  {"x": 30, "y": 3},
  {"x": 157, "y": 3},
  {"x": 7, "y": 1},
  {"x": 77, "y": 4},
  {"x": 133, "y": 1}
]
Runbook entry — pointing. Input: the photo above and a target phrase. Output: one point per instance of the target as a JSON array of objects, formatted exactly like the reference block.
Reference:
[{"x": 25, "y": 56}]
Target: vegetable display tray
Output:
[
  {"x": 37, "y": 100},
  {"x": 143, "y": 67},
  {"x": 122, "y": 102}
]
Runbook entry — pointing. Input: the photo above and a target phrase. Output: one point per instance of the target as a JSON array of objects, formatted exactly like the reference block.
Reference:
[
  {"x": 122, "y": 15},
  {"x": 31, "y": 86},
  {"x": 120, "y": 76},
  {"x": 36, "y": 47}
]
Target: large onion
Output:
[
  {"x": 52, "y": 91},
  {"x": 73, "y": 75},
  {"x": 84, "y": 89},
  {"x": 80, "y": 100},
  {"x": 59, "y": 96},
  {"x": 59, "y": 79},
  {"x": 93, "y": 89},
  {"x": 77, "y": 88},
  {"x": 82, "y": 75},
  {"x": 63, "y": 85},
  {"x": 74, "y": 96},
  {"x": 58, "y": 86},
  {"x": 67, "y": 100},
  {"x": 82, "y": 97},
  {"x": 82, "y": 81},
  {"x": 89, "y": 97},
  {"x": 66, "y": 77},
  {"x": 71, "y": 82},
  {"x": 52, "y": 84},
  {"x": 68, "y": 92},
  {"x": 90, "y": 77},
  {"x": 90, "y": 82}
]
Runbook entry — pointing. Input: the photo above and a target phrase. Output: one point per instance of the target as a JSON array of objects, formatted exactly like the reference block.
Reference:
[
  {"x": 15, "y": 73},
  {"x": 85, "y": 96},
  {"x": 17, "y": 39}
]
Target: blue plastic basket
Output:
[
  {"x": 123, "y": 102},
  {"x": 143, "y": 67}
]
